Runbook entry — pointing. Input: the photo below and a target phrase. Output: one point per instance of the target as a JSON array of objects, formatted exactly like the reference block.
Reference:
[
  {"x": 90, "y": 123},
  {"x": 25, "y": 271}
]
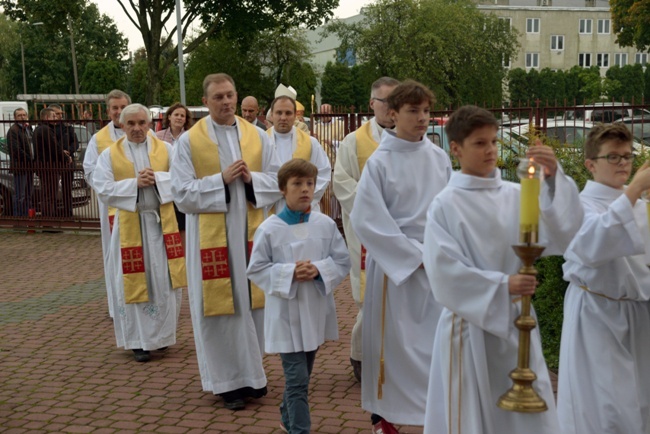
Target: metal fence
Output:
[{"x": 55, "y": 194}]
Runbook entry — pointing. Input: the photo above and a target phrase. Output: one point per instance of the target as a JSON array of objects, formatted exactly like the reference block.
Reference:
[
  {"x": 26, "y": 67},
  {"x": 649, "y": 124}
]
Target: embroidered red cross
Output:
[
  {"x": 214, "y": 263},
  {"x": 173, "y": 245},
  {"x": 363, "y": 257},
  {"x": 111, "y": 220},
  {"x": 132, "y": 260}
]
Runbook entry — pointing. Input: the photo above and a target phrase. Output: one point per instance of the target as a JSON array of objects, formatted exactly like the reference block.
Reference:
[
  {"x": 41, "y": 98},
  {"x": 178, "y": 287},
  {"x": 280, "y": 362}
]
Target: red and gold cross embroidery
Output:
[
  {"x": 214, "y": 263},
  {"x": 111, "y": 220},
  {"x": 363, "y": 257},
  {"x": 132, "y": 260},
  {"x": 173, "y": 245}
]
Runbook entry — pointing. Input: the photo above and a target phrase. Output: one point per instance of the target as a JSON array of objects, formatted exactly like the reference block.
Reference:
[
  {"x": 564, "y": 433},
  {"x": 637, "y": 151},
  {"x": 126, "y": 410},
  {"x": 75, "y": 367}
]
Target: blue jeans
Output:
[
  {"x": 295, "y": 406},
  {"x": 23, "y": 185}
]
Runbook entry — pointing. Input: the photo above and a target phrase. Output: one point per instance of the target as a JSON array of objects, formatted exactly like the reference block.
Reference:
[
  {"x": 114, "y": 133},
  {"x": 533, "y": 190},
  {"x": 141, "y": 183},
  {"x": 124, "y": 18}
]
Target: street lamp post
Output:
[
  {"x": 22, "y": 57},
  {"x": 74, "y": 57}
]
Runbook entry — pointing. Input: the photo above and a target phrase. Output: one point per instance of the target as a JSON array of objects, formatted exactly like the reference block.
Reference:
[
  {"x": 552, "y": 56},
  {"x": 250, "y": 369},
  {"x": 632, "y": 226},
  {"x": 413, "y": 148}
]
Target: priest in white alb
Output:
[
  {"x": 290, "y": 142},
  {"x": 398, "y": 183},
  {"x": 354, "y": 151},
  {"x": 148, "y": 261},
  {"x": 116, "y": 100},
  {"x": 223, "y": 178}
]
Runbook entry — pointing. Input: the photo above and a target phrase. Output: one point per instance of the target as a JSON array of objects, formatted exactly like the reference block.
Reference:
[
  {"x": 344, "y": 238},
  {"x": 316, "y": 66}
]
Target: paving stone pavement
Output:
[{"x": 60, "y": 370}]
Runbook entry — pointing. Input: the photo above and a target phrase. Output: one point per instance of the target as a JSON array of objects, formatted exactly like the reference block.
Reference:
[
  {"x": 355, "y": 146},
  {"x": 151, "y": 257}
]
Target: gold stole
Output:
[
  {"x": 131, "y": 251},
  {"x": 366, "y": 145},
  {"x": 303, "y": 144},
  {"x": 218, "y": 293},
  {"x": 104, "y": 140}
]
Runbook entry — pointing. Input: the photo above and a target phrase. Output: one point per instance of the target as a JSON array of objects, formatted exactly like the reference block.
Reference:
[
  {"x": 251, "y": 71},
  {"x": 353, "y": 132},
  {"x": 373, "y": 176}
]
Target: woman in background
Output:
[{"x": 178, "y": 119}]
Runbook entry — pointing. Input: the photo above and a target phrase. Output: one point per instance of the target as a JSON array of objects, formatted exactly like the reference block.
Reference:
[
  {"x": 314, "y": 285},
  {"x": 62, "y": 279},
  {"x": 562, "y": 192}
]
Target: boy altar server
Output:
[
  {"x": 398, "y": 183},
  {"x": 604, "y": 384},
  {"x": 298, "y": 258},
  {"x": 473, "y": 271},
  {"x": 146, "y": 254}
]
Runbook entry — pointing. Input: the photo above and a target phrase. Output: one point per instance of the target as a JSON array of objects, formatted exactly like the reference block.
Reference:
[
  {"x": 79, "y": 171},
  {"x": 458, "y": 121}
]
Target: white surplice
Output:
[
  {"x": 229, "y": 347},
  {"x": 604, "y": 384},
  {"x": 344, "y": 184},
  {"x": 285, "y": 145},
  {"x": 90, "y": 162},
  {"x": 471, "y": 227},
  {"x": 299, "y": 316},
  {"x": 396, "y": 187},
  {"x": 150, "y": 325}
]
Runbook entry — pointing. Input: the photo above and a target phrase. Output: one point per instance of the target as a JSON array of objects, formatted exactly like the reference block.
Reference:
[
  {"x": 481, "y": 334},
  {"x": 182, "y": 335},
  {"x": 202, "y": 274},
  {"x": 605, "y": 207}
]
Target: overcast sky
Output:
[{"x": 111, "y": 8}]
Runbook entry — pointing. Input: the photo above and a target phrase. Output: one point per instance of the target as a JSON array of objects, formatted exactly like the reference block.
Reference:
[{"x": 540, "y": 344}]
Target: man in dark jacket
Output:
[
  {"x": 49, "y": 157},
  {"x": 21, "y": 156},
  {"x": 67, "y": 140}
]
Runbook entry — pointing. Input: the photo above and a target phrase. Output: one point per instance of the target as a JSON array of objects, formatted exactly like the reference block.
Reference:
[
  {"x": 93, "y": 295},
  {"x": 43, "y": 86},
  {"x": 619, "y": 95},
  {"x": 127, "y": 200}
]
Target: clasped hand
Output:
[
  {"x": 236, "y": 170},
  {"x": 305, "y": 271},
  {"x": 146, "y": 178}
]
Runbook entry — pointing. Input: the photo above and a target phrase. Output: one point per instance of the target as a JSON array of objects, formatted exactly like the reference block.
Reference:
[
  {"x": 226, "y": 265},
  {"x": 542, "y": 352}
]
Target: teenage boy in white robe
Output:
[
  {"x": 354, "y": 151},
  {"x": 471, "y": 226},
  {"x": 116, "y": 100},
  {"x": 290, "y": 142},
  {"x": 225, "y": 169},
  {"x": 398, "y": 183},
  {"x": 298, "y": 258},
  {"x": 149, "y": 323},
  {"x": 604, "y": 384}
]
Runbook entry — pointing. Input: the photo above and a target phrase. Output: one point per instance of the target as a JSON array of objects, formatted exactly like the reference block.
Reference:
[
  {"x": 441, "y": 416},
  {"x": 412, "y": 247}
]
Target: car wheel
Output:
[{"x": 6, "y": 204}]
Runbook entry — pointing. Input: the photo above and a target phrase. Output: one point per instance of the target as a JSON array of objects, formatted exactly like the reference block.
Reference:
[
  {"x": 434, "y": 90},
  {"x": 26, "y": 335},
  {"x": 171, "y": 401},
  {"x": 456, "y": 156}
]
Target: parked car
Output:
[
  {"x": 570, "y": 134},
  {"x": 80, "y": 189},
  {"x": 508, "y": 146},
  {"x": 604, "y": 112}
]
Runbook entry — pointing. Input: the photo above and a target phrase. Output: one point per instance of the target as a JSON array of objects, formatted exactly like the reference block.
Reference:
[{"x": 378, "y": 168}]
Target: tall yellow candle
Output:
[{"x": 529, "y": 208}]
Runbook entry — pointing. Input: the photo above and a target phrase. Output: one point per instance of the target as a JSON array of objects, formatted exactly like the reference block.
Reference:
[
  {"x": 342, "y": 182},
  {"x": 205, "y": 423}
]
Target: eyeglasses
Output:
[
  {"x": 380, "y": 99},
  {"x": 616, "y": 158}
]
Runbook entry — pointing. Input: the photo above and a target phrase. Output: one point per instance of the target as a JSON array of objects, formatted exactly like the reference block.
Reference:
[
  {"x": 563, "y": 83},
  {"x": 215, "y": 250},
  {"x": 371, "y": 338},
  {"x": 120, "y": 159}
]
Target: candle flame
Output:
[{"x": 531, "y": 170}]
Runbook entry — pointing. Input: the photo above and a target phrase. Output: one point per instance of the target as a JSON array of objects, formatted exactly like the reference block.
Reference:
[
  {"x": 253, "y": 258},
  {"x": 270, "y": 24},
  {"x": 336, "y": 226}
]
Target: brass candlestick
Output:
[{"x": 522, "y": 397}]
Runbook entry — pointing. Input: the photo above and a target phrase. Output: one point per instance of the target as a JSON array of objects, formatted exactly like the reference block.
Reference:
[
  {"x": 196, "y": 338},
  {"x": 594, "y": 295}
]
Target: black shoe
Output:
[
  {"x": 163, "y": 349},
  {"x": 258, "y": 393},
  {"x": 356, "y": 368},
  {"x": 235, "y": 404},
  {"x": 141, "y": 355}
]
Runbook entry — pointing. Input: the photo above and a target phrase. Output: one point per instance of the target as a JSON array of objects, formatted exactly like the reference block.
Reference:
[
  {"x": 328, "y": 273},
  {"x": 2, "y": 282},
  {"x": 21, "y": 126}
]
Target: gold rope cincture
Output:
[
  {"x": 584, "y": 288},
  {"x": 382, "y": 377}
]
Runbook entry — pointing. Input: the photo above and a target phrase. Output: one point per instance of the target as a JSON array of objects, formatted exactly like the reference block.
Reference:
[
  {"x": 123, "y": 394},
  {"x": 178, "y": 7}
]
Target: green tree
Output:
[
  {"x": 518, "y": 87},
  {"x": 9, "y": 44},
  {"x": 631, "y": 23},
  {"x": 101, "y": 76},
  {"x": 138, "y": 83},
  {"x": 48, "y": 60},
  {"x": 448, "y": 45},
  {"x": 337, "y": 85}
]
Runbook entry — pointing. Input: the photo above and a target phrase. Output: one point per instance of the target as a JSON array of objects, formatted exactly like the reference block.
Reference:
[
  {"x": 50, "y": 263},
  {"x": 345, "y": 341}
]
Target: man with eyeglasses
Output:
[
  {"x": 604, "y": 383},
  {"x": 352, "y": 155}
]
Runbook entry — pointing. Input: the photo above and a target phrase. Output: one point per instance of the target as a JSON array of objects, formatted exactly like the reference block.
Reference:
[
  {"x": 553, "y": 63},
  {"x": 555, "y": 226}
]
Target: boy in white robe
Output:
[
  {"x": 604, "y": 384},
  {"x": 140, "y": 326},
  {"x": 471, "y": 226},
  {"x": 298, "y": 258},
  {"x": 398, "y": 183}
]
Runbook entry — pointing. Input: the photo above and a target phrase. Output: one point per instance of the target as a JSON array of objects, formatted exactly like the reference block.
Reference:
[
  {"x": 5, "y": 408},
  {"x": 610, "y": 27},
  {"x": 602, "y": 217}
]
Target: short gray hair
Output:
[
  {"x": 132, "y": 109},
  {"x": 117, "y": 94}
]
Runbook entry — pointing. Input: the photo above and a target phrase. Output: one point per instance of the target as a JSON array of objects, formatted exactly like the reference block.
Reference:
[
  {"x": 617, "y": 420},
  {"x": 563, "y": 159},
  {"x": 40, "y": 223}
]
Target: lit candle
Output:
[{"x": 530, "y": 174}]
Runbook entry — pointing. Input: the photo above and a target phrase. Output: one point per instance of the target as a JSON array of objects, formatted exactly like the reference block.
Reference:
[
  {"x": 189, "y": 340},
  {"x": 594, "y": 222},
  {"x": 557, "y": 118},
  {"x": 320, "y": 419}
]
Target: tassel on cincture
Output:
[{"x": 382, "y": 378}]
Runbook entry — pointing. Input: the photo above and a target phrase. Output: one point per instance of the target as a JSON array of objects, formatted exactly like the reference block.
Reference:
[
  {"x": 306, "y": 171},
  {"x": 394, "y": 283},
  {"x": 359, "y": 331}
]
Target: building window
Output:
[
  {"x": 584, "y": 60},
  {"x": 620, "y": 59},
  {"x": 506, "y": 62},
  {"x": 602, "y": 60},
  {"x": 641, "y": 58},
  {"x": 557, "y": 42},
  {"x": 532, "y": 60},
  {"x": 532, "y": 25},
  {"x": 585, "y": 26},
  {"x": 506, "y": 22},
  {"x": 603, "y": 26}
]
